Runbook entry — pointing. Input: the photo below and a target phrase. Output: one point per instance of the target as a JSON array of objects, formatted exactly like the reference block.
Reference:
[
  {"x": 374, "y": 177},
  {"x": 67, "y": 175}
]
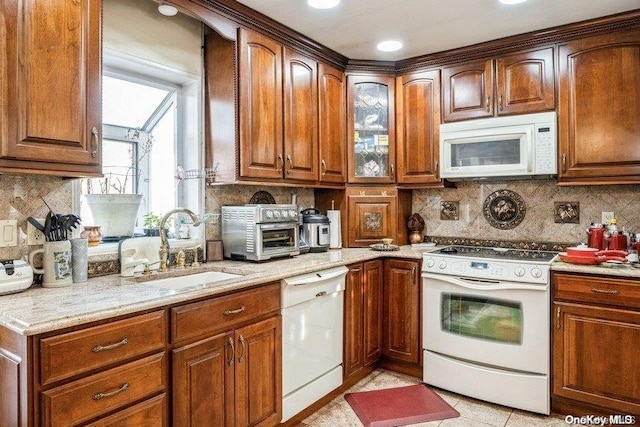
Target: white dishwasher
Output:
[{"x": 312, "y": 315}]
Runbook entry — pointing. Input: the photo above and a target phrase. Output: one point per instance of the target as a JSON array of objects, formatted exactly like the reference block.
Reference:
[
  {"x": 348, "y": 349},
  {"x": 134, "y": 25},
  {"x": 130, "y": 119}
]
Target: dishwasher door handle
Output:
[{"x": 321, "y": 294}]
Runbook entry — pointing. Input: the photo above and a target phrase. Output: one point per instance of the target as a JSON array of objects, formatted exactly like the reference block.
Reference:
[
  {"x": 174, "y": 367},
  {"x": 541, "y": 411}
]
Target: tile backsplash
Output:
[
  {"x": 540, "y": 197},
  {"x": 21, "y": 197}
]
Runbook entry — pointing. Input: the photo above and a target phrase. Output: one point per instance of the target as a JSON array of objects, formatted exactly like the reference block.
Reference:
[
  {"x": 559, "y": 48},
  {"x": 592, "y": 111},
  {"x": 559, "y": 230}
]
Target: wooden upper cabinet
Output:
[
  {"x": 418, "y": 125},
  {"x": 278, "y": 111},
  {"x": 300, "y": 116},
  {"x": 599, "y": 109},
  {"x": 371, "y": 129},
  {"x": 50, "y": 87},
  {"x": 332, "y": 124},
  {"x": 260, "y": 86},
  {"x": 525, "y": 82},
  {"x": 519, "y": 83},
  {"x": 467, "y": 91}
]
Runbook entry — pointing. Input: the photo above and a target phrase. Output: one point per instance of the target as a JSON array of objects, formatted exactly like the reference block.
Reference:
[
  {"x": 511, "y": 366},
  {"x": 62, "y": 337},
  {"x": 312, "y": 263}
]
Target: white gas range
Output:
[{"x": 486, "y": 324}]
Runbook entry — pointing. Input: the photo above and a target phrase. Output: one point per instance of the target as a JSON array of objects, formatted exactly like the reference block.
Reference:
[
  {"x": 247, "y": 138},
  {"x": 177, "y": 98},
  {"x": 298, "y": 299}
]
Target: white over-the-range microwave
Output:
[{"x": 509, "y": 147}]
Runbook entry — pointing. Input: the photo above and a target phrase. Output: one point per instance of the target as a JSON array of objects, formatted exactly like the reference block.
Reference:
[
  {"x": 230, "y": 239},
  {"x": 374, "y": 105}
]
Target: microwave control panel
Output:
[{"x": 545, "y": 140}]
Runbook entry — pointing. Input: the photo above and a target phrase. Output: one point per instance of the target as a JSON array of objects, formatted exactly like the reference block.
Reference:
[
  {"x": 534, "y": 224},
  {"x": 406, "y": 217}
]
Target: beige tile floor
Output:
[{"x": 473, "y": 413}]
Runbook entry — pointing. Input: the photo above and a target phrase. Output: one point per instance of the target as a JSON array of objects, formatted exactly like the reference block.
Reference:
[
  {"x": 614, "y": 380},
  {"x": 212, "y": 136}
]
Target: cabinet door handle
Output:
[
  {"x": 500, "y": 103},
  {"x": 323, "y": 167},
  {"x": 280, "y": 163},
  {"x": 488, "y": 104},
  {"x": 232, "y": 344},
  {"x": 94, "y": 142},
  {"x": 111, "y": 393},
  {"x": 604, "y": 291},
  {"x": 392, "y": 169},
  {"x": 558, "y": 324},
  {"x": 564, "y": 162},
  {"x": 236, "y": 311},
  {"x": 106, "y": 347},
  {"x": 413, "y": 274},
  {"x": 244, "y": 345},
  {"x": 437, "y": 171},
  {"x": 290, "y": 163}
]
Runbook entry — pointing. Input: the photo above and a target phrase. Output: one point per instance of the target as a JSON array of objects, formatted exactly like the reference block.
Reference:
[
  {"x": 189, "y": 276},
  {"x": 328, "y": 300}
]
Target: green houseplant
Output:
[{"x": 152, "y": 223}]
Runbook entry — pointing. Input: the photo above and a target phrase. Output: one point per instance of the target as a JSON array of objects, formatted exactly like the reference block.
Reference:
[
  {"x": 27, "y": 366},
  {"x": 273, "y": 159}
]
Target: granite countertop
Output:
[{"x": 39, "y": 310}]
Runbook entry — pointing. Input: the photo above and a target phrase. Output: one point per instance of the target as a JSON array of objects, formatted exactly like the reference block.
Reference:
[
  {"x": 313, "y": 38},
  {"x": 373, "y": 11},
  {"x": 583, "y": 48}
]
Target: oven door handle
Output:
[{"x": 482, "y": 285}]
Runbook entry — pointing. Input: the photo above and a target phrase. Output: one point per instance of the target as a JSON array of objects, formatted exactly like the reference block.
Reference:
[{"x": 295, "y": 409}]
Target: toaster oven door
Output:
[{"x": 277, "y": 239}]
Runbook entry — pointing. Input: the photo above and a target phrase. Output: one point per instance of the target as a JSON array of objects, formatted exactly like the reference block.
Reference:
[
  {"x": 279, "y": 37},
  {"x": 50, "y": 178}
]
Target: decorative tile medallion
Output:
[
  {"x": 449, "y": 211},
  {"x": 566, "y": 212},
  {"x": 373, "y": 221},
  {"x": 504, "y": 209}
]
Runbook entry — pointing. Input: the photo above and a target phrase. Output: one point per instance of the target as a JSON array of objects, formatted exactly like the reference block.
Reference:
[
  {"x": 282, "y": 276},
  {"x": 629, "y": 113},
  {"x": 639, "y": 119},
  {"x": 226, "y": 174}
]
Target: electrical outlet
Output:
[
  {"x": 607, "y": 217},
  {"x": 35, "y": 236}
]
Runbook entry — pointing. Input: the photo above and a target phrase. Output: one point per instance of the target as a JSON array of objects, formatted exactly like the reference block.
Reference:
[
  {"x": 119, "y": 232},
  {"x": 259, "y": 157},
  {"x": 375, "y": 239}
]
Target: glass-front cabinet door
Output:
[{"x": 371, "y": 131}]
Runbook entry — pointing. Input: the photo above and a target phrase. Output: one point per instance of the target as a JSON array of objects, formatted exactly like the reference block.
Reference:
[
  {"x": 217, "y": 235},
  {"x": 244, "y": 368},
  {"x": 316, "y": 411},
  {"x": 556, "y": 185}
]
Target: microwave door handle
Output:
[{"x": 531, "y": 150}]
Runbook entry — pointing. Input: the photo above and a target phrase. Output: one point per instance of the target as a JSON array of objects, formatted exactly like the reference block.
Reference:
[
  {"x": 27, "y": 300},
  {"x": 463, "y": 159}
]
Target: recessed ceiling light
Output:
[
  {"x": 389, "y": 46},
  {"x": 512, "y": 1},
  {"x": 323, "y": 4},
  {"x": 167, "y": 10}
]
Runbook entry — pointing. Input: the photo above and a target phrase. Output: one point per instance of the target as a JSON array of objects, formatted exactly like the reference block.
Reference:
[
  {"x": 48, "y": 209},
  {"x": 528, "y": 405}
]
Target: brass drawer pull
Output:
[
  {"x": 236, "y": 311},
  {"x": 99, "y": 348},
  {"x": 233, "y": 351},
  {"x": 604, "y": 291},
  {"x": 111, "y": 393},
  {"x": 244, "y": 345}
]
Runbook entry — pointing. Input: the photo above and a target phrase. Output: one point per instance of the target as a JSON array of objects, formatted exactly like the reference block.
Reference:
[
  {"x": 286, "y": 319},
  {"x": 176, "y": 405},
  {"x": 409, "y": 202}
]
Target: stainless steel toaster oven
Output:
[{"x": 260, "y": 232}]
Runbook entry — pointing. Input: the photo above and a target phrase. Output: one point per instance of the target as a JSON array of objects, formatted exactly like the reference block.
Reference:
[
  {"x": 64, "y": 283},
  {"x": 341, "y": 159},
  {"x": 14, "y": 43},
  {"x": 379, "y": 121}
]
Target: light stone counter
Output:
[
  {"x": 606, "y": 269},
  {"x": 38, "y": 310}
]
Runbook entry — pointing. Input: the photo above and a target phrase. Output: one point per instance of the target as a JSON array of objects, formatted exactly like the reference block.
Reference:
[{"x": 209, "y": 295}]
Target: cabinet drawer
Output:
[
  {"x": 90, "y": 397},
  {"x": 151, "y": 412},
  {"x": 597, "y": 290},
  {"x": 100, "y": 346},
  {"x": 218, "y": 314}
]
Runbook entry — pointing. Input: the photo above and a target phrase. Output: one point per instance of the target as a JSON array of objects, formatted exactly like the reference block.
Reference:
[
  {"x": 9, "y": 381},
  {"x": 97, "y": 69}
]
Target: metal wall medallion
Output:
[{"x": 504, "y": 209}]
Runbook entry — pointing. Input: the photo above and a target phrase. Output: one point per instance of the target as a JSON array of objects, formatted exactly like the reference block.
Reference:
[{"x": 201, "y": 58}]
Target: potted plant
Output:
[
  {"x": 152, "y": 224},
  {"x": 115, "y": 207}
]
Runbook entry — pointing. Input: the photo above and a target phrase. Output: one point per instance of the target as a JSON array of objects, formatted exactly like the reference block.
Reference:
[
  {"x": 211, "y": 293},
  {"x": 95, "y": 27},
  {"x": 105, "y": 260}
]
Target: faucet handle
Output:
[{"x": 195, "y": 262}]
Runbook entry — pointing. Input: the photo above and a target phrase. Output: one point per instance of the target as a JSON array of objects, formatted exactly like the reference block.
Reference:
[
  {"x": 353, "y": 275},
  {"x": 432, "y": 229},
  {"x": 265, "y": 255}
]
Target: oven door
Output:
[
  {"x": 277, "y": 239},
  {"x": 493, "y": 323}
]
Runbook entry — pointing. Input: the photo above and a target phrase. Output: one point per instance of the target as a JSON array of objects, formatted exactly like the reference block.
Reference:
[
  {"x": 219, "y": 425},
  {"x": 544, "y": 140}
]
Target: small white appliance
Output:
[
  {"x": 312, "y": 315},
  {"x": 486, "y": 315},
  {"x": 16, "y": 275},
  {"x": 512, "y": 146}
]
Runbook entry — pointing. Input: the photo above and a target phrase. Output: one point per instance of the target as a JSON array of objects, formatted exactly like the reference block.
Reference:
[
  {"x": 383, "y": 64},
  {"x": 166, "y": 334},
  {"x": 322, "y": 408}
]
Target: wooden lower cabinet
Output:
[
  {"x": 401, "y": 311},
  {"x": 232, "y": 377},
  {"x": 596, "y": 339},
  {"x": 362, "y": 316}
]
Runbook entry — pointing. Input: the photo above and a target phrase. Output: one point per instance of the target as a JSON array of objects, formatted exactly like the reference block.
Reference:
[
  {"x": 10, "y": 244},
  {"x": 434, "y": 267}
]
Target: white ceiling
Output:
[{"x": 355, "y": 27}]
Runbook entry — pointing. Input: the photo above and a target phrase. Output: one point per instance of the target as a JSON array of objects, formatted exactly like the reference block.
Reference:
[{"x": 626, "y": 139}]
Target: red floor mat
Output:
[{"x": 399, "y": 406}]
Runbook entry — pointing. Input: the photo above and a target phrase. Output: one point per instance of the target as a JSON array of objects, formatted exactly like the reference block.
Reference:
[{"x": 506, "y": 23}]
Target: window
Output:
[{"x": 148, "y": 133}]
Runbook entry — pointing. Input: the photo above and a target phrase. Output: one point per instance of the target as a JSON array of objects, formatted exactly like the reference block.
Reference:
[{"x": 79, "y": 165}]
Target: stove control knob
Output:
[
  {"x": 536, "y": 272},
  {"x": 276, "y": 214},
  {"x": 269, "y": 214},
  {"x": 292, "y": 213},
  {"x": 442, "y": 265},
  {"x": 285, "y": 214},
  {"x": 519, "y": 271},
  {"x": 430, "y": 263}
]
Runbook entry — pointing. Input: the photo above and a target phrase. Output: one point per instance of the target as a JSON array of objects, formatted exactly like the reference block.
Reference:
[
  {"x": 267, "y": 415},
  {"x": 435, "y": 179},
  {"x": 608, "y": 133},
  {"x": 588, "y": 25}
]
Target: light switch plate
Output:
[{"x": 8, "y": 233}]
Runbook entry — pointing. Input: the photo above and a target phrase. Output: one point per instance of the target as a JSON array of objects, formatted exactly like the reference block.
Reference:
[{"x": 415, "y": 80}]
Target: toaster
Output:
[{"x": 16, "y": 275}]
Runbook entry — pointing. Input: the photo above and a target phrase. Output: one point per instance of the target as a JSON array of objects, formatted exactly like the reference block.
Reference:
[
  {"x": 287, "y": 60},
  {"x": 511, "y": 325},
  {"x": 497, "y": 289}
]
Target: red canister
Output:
[
  {"x": 617, "y": 242},
  {"x": 595, "y": 235}
]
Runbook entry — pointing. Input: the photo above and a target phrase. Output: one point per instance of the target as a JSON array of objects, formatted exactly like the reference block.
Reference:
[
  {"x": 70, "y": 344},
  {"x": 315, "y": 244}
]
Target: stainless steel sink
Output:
[{"x": 198, "y": 281}]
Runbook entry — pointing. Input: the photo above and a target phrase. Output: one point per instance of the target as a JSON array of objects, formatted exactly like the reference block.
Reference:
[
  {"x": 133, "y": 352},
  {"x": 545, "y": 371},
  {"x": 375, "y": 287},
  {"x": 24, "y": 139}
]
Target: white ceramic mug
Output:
[{"x": 56, "y": 264}]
